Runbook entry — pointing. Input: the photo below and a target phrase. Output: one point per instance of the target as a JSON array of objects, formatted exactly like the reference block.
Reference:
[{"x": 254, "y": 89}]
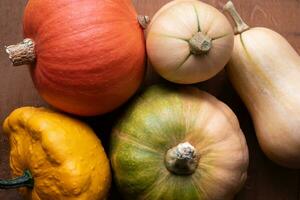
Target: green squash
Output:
[{"x": 178, "y": 144}]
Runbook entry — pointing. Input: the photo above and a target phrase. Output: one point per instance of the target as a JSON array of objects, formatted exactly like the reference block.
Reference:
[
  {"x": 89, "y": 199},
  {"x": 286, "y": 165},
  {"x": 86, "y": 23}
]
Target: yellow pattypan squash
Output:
[{"x": 55, "y": 157}]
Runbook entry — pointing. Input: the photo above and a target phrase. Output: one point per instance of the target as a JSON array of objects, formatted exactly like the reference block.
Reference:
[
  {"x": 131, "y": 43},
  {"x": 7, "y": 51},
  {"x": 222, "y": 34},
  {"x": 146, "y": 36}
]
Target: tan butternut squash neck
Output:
[
  {"x": 182, "y": 159},
  {"x": 241, "y": 26},
  {"x": 22, "y": 53},
  {"x": 200, "y": 44}
]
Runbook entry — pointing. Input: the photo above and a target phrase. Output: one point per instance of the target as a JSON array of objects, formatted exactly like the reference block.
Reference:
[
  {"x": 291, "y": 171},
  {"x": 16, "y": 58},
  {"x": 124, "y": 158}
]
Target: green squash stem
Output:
[
  {"x": 241, "y": 26},
  {"x": 182, "y": 159},
  {"x": 26, "y": 180}
]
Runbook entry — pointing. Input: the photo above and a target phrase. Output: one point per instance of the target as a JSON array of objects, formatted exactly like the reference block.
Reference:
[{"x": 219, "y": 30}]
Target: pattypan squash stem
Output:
[
  {"x": 26, "y": 180},
  {"x": 182, "y": 159},
  {"x": 241, "y": 26},
  {"x": 22, "y": 53},
  {"x": 200, "y": 44}
]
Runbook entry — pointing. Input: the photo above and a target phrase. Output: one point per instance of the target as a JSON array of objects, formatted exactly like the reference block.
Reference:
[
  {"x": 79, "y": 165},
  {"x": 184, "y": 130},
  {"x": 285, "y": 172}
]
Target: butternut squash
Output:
[{"x": 265, "y": 71}]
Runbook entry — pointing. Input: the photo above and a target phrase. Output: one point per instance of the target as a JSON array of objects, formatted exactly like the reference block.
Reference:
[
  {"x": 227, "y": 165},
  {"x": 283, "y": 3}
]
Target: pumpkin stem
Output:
[
  {"x": 241, "y": 26},
  {"x": 22, "y": 53},
  {"x": 200, "y": 44},
  {"x": 26, "y": 180},
  {"x": 143, "y": 21},
  {"x": 182, "y": 159}
]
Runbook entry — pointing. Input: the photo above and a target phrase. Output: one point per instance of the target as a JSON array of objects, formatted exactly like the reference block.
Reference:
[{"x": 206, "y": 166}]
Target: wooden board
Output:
[{"x": 266, "y": 180}]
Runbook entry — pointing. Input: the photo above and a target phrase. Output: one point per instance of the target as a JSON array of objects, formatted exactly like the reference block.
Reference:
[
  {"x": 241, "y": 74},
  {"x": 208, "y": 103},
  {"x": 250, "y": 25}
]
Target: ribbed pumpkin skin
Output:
[
  {"x": 160, "y": 119},
  {"x": 90, "y": 53}
]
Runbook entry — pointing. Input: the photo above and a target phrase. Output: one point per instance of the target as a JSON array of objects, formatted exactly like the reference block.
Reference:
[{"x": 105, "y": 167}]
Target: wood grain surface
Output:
[{"x": 266, "y": 180}]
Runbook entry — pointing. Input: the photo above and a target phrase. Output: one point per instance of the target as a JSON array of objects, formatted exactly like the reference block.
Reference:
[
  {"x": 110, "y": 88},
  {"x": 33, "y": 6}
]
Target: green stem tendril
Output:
[{"x": 26, "y": 180}]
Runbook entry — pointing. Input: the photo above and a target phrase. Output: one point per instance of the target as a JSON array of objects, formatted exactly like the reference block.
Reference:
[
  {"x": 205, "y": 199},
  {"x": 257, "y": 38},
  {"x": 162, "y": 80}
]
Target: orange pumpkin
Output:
[{"x": 86, "y": 56}]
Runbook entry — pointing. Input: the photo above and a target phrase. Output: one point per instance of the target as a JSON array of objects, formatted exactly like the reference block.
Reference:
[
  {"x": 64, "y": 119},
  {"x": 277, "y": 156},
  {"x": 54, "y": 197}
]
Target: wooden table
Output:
[{"x": 266, "y": 180}]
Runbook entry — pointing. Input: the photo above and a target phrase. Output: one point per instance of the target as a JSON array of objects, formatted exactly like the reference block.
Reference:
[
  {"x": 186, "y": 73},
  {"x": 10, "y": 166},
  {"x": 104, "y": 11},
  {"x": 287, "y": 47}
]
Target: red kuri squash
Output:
[{"x": 86, "y": 56}]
